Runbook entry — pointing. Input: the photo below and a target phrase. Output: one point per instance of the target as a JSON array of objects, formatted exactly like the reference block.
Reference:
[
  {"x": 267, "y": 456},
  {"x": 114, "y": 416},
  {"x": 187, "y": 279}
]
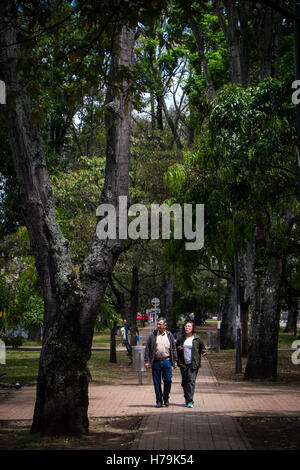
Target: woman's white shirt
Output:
[{"x": 187, "y": 350}]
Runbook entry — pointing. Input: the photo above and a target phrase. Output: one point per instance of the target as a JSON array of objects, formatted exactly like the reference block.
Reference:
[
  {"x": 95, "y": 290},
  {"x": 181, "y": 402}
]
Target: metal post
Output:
[
  {"x": 219, "y": 315},
  {"x": 140, "y": 370},
  {"x": 297, "y": 73},
  {"x": 238, "y": 359}
]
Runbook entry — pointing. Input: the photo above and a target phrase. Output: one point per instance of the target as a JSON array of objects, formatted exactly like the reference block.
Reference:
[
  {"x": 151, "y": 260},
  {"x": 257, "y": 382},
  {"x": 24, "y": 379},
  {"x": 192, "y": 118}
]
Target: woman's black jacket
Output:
[{"x": 197, "y": 348}]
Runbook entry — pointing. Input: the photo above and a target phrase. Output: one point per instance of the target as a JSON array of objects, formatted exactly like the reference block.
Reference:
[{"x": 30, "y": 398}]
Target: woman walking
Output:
[{"x": 190, "y": 348}]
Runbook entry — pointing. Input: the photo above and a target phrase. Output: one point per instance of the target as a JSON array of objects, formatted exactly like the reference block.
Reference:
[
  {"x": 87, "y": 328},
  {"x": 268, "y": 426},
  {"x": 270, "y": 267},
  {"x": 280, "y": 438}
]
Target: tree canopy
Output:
[{"x": 163, "y": 102}]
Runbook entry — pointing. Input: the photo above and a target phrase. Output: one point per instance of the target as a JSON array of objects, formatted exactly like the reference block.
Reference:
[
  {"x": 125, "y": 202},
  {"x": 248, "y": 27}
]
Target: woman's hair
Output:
[{"x": 193, "y": 325}]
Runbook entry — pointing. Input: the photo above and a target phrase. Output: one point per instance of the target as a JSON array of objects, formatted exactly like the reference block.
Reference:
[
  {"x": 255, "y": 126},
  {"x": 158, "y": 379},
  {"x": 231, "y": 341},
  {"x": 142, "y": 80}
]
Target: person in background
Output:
[
  {"x": 190, "y": 348},
  {"x": 126, "y": 341},
  {"x": 161, "y": 354},
  {"x": 138, "y": 337}
]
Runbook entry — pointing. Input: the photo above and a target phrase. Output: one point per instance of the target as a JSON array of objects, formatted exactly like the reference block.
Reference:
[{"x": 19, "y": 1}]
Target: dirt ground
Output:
[
  {"x": 272, "y": 433},
  {"x": 105, "y": 434},
  {"x": 263, "y": 432}
]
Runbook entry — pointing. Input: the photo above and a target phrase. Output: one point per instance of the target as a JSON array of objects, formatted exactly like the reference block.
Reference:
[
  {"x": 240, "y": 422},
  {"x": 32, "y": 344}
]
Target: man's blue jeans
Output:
[{"x": 162, "y": 370}]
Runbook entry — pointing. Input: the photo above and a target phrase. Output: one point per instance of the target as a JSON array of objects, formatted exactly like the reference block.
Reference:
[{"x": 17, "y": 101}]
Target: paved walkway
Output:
[{"x": 211, "y": 424}]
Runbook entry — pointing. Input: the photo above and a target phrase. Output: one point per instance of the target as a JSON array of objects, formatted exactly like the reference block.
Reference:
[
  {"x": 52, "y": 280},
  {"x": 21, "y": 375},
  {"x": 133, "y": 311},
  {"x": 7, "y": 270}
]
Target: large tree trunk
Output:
[
  {"x": 232, "y": 35},
  {"x": 265, "y": 43},
  {"x": 71, "y": 302},
  {"x": 265, "y": 313},
  {"x": 247, "y": 289},
  {"x": 228, "y": 324}
]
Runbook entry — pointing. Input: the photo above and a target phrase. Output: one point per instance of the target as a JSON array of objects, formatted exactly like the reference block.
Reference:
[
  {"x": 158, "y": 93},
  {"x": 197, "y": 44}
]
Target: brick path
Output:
[{"x": 211, "y": 424}]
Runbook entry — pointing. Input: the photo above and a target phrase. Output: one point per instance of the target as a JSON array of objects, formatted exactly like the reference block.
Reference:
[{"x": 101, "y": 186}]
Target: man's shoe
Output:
[
  {"x": 190, "y": 405},
  {"x": 167, "y": 403},
  {"x": 158, "y": 405}
]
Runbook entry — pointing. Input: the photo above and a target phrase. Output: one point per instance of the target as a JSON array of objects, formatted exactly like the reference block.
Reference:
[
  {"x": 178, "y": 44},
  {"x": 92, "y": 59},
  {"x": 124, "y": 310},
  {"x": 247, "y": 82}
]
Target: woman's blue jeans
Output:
[{"x": 162, "y": 370}]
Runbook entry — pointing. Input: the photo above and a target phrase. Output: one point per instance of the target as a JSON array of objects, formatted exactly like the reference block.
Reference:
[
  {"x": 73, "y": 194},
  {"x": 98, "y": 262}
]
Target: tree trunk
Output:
[
  {"x": 71, "y": 302},
  {"x": 243, "y": 9},
  {"x": 167, "y": 302},
  {"x": 247, "y": 289},
  {"x": 153, "y": 117},
  {"x": 119, "y": 306},
  {"x": 200, "y": 49},
  {"x": 34, "y": 334},
  {"x": 159, "y": 113},
  {"x": 228, "y": 324},
  {"x": 113, "y": 350},
  {"x": 265, "y": 313},
  {"x": 278, "y": 42},
  {"x": 291, "y": 325},
  {"x": 232, "y": 35},
  {"x": 62, "y": 388},
  {"x": 134, "y": 297},
  {"x": 265, "y": 42},
  {"x": 244, "y": 320}
]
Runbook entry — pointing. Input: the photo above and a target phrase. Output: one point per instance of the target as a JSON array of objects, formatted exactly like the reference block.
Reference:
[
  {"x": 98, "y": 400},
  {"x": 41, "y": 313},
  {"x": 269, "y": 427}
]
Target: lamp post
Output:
[
  {"x": 218, "y": 345},
  {"x": 219, "y": 311}
]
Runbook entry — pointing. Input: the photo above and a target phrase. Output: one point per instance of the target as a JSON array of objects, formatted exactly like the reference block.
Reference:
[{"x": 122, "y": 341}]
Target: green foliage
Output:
[
  {"x": 148, "y": 158},
  {"x": 107, "y": 310},
  {"x": 20, "y": 291},
  {"x": 241, "y": 169},
  {"x": 77, "y": 193},
  {"x": 33, "y": 315},
  {"x": 241, "y": 165},
  {"x": 14, "y": 341}
]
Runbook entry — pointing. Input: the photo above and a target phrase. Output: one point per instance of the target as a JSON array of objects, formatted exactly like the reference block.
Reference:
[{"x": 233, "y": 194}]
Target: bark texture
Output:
[
  {"x": 228, "y": 324},
  {"x": 265, "y": 313},
  {"x": 167, "y": 302},
  {"x": 134, "y": 298},
  {"x": 71, "y": 302}
]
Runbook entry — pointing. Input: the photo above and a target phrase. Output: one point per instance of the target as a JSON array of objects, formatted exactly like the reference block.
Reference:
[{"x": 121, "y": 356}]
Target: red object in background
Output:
[{"x": 140, "y": 316}]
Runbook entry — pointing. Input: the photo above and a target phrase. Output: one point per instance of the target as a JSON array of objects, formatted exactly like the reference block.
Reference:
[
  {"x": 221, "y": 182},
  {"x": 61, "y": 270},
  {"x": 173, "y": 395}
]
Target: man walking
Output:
[{"x": 161, "y": 354}]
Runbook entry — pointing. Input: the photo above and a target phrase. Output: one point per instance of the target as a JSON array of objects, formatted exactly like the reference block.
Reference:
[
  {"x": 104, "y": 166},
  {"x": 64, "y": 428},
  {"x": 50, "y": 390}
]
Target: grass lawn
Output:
[
  {"x": 286, "y": 339},
  {"x": 100, "y": 339},
  {"x": 223, "y": 365},
  {"x": 22, "y": 367}
]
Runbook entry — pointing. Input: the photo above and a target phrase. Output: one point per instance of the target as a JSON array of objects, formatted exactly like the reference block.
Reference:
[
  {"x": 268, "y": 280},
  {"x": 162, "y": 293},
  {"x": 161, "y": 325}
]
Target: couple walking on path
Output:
[{"x": 162, "y": 352}]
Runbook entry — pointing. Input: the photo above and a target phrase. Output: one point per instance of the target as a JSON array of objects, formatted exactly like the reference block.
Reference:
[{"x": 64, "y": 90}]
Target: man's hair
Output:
[{"x": 162, "y": 319}]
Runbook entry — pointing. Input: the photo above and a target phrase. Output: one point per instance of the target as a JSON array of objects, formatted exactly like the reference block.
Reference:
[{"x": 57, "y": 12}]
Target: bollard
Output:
[{"x": 138, "y": 363}]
